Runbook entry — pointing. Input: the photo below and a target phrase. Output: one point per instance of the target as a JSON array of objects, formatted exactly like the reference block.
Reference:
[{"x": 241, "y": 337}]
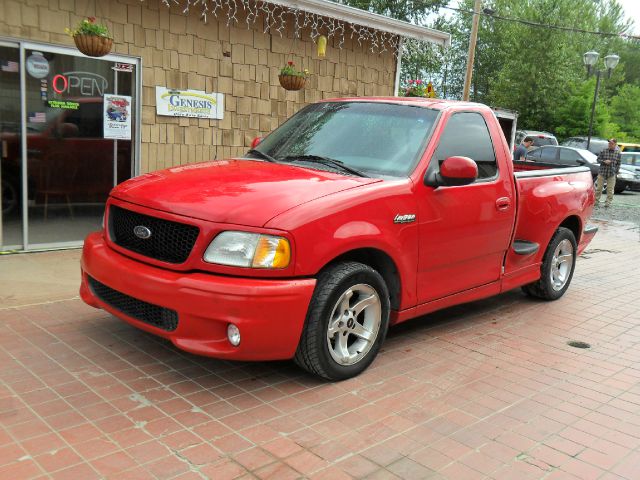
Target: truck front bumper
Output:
[{"x": 198, "y": 307}]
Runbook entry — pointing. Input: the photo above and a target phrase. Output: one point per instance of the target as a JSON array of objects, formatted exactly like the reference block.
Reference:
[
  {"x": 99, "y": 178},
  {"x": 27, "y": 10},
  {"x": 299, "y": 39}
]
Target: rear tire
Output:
[
  {"x": 558, "y": 265},
  {"x": 346, "y": 323}
]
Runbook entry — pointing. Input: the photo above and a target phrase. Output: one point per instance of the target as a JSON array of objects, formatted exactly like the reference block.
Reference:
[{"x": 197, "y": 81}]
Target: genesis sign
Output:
[{"x": 189, "y": 103}]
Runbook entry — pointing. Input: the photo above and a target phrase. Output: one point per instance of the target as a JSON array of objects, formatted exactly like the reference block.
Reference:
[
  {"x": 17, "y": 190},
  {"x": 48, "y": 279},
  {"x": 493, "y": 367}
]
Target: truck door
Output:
[{"x": 465, "y": 230}]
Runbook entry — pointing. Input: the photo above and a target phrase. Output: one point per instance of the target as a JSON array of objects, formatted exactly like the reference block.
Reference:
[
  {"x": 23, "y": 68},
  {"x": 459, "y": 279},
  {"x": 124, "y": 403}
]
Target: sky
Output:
[
  {"x": 632, "y": 10},
  {"x": 630, "y": 7}
]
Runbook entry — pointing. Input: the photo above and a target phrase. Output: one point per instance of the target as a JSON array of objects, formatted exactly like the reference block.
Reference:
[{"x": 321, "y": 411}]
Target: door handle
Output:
[{"x": 503, "y": 203}]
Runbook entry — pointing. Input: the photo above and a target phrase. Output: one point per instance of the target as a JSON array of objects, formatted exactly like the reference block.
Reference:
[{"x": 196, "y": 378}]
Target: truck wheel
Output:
[
  {"x": 346, "y": 323},
  {"x": 619, "y": 188},
  {"x": 557, "y": 268}
]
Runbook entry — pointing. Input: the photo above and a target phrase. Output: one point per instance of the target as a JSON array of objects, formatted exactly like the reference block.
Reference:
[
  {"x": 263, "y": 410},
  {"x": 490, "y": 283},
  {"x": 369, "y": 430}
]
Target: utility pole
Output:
[{"x": 472, "y": 49}]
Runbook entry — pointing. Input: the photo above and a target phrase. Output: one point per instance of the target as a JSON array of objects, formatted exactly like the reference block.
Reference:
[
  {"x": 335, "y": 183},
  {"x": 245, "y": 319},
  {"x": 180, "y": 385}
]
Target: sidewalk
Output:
[
  {"x": 488, "y": 390},
  {"x": 31, "y": 278}
]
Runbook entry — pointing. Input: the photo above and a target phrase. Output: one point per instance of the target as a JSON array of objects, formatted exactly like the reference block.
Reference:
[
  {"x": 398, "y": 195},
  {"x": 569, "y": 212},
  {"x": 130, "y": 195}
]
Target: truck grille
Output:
[
  {"x": 148, "y": 313},
  {"x": 168, "y": 241}
]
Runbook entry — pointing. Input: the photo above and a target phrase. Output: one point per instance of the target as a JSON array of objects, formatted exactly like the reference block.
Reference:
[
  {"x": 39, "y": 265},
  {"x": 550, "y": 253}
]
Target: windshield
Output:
[
  {"x": 375, "y": 138},
  {"x": 588, "y": 156},
  {"x": 631, "y": 158}
]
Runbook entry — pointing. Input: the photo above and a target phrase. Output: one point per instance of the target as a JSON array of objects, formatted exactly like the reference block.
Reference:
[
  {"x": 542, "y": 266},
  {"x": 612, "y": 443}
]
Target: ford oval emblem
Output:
[{"x": 142, "y": 232}]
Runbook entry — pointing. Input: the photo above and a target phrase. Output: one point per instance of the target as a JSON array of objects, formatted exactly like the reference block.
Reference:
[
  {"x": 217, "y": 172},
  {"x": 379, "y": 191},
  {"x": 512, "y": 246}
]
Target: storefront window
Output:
[
  {"x": 10, "y": 147},
  {"x": 80, "y": 122}
]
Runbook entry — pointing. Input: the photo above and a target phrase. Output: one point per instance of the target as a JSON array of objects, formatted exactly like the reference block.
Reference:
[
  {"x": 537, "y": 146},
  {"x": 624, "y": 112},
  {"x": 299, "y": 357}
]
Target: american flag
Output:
[
  {"x": 37, "y": 117},
  {"x": 9, "y": 66}
]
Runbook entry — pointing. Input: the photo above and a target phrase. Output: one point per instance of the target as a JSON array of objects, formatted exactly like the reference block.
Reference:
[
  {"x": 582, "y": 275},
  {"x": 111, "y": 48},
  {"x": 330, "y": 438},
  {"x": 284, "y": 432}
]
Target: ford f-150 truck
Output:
[{"x": 353, "y": 215}]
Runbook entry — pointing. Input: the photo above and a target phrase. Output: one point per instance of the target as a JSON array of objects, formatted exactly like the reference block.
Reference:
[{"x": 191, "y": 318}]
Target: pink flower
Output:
[
  {"x": 290, "y": 63},
  {"x": 410, "y": 82},
  {"x": 91, "y": 19},
  {"x": 419, "y": 82}
]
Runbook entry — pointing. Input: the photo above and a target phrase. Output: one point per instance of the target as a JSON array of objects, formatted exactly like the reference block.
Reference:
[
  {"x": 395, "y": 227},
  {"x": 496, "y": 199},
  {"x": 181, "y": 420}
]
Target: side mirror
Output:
[
  {"x": 454, "y": 172},
  {"x": 256, "y": 141}
]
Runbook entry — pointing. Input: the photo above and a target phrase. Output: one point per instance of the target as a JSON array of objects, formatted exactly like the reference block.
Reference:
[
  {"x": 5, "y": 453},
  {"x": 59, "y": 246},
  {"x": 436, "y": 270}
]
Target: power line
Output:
[{"x": 543, "y": 25}]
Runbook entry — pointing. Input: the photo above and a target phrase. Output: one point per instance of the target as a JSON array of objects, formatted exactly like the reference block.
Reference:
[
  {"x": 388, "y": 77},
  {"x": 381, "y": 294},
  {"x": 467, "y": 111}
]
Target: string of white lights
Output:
[{"x": 277, "y": 18}]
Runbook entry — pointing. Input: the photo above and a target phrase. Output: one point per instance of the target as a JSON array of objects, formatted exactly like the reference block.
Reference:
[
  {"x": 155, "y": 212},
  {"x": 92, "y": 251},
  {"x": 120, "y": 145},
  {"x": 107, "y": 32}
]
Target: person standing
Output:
[
  {"x": 609, "y": 160},
  {"x": 521, "y": 150}
]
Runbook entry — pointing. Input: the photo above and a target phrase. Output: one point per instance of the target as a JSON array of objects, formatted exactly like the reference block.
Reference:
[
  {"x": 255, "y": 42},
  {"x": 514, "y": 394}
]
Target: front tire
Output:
[
  {"x": 346, "y": 323},
  {"x": 558, "y": 265}
]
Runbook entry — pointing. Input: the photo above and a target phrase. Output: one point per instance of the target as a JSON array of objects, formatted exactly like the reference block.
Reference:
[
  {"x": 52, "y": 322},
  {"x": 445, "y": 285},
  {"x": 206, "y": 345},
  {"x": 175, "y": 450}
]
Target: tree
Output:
[
  {"x": 572, "y": 116},
  {"x": 625, "y": 112},
  {"x": 407, "y": 10}
]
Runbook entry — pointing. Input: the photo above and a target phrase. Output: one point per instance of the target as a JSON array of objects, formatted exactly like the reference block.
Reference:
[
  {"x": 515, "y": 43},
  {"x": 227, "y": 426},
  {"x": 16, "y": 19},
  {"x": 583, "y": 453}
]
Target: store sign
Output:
[
  {"x": 189, "y": 103},
  {"x": 117, "y": 117},
  {"x": 80, "y": 83},
  {"x": 37, "y": 65},
  {"x": 123, "y": 67},
  {"x": 63, "y": 104}
]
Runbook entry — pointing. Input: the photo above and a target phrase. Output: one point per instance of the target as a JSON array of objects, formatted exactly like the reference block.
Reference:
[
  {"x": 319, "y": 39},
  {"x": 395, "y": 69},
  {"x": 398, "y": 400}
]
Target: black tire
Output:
[
  {"x": 546, "y": 288},
  {"x": 317, "y": 351},
  {"x": 618, "y": 189}
]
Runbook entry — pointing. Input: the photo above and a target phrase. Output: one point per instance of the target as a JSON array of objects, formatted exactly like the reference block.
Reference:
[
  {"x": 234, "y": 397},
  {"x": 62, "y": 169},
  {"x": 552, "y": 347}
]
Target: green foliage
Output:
[
  {"x": 88, "y": 26},
  {"x": 625, "y": 111},
  {"x": 535, "y": 71},
  {"x": 407, "y": 10},
  {"x": 571, "y": 117},
  {"x": 290, "y": 69}
]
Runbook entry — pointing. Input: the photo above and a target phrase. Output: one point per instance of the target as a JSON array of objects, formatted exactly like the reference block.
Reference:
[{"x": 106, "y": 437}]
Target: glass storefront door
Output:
[
  {"x": 78, "y": 124},
  {"x": 10, "y": 147}
]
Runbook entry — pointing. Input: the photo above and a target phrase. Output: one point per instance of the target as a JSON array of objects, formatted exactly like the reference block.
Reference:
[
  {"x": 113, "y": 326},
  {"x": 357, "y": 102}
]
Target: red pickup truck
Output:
[{"x": 354, "y": 215}]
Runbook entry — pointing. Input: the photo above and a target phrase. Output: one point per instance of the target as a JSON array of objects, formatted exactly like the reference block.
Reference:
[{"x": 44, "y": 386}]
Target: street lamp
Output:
[{"x": 610, "y": 62}]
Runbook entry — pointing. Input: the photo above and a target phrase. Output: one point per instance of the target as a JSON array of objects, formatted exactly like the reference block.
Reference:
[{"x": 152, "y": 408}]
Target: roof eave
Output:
[{"x": 368, "y": 19}]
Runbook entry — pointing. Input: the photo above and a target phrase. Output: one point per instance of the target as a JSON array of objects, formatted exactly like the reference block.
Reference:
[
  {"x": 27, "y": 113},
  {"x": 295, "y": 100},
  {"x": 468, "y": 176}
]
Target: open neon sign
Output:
[{"x": 84, "y": 83}]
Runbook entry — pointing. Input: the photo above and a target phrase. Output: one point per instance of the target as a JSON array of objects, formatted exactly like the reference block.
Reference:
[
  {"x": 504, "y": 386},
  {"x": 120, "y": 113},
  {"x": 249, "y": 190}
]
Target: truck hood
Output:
[{"x": 242, "y": 192}]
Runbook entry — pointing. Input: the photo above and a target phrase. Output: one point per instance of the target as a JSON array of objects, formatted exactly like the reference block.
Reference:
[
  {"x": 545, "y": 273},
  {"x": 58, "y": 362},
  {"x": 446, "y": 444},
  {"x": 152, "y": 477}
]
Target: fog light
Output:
[{"x": 233, "y": 334}]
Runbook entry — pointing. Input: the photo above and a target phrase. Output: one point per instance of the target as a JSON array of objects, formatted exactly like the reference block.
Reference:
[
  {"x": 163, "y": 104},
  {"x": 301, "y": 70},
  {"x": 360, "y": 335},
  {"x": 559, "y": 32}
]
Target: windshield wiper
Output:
[
  {"x": 262, "y": 155},
  {"x": 325, "y": 161}
]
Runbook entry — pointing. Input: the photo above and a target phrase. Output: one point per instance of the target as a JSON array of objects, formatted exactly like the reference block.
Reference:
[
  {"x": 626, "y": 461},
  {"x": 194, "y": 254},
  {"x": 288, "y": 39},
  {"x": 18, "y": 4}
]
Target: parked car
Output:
[
  {"x": 539, "y": 138},
  {"x": 596, "y": 145},
  {"x": 631, "y": 163},
  {"x": 568, "y": 156},
  {"x": 631, "y": 159},
  {"x": 353, "y": 215},
  {"x": 629, "y": 147}
]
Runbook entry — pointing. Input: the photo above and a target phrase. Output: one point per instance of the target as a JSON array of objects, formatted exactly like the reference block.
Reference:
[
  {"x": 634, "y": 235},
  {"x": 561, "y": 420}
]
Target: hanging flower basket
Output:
[
  {"x": 292, "y": 82},
  {"x": 291, "y": 78},
  {"x": 92, "y": 45},
  {"x": 91, "y": 38}
]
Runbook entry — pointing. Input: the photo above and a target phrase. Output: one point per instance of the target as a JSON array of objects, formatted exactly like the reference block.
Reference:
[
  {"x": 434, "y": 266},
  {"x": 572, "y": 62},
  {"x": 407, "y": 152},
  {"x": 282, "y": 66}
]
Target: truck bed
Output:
[{"x": 548, "y": 194}]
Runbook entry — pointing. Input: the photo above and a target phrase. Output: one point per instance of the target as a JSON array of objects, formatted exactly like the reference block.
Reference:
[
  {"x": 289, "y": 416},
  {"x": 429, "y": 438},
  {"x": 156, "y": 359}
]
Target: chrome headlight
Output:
[{"x": 244, "y": 249}]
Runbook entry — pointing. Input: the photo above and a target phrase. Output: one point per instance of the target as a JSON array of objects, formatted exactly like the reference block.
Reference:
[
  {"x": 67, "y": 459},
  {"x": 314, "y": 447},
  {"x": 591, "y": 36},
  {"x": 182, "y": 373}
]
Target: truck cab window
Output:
[{"x": 466, "y": 135}]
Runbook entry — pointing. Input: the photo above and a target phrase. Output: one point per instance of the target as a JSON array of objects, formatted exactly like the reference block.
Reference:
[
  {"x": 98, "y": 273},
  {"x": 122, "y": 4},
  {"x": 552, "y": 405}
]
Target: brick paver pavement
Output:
[{"x": 487, "y": 390}]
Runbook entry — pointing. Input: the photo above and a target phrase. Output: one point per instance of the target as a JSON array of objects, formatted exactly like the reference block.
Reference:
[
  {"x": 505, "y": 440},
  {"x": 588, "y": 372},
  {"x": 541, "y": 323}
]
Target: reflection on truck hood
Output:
[{"x": 243, "y": 192}]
